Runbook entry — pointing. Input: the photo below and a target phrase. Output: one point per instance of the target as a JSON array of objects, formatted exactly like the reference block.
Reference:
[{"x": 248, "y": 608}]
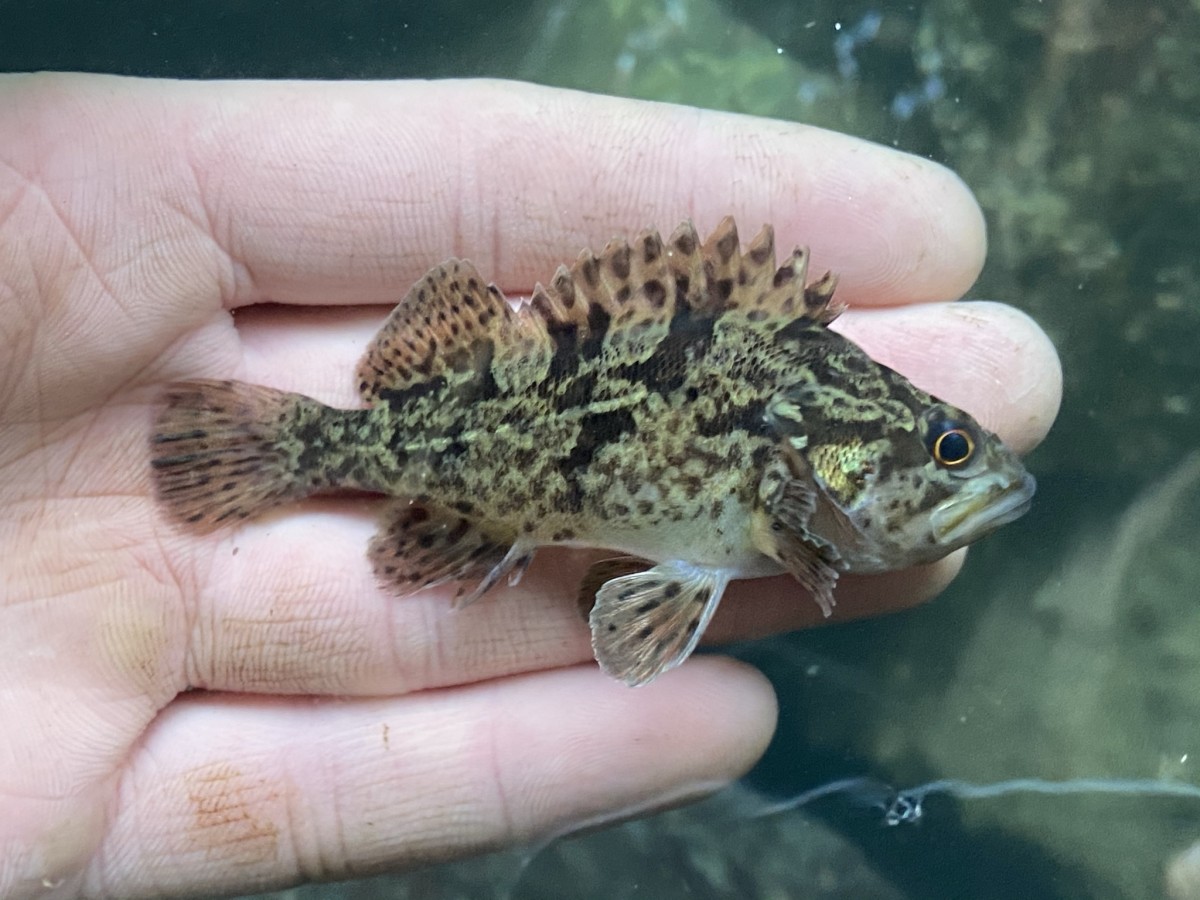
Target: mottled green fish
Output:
[{"x": 680, "y": 403}]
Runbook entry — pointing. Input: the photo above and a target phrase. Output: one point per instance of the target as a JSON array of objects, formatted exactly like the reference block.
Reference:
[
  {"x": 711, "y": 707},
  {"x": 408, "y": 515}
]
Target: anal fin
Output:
[
  {"x": 513, "y": 564},
  {"x": 644, "y": 624},
  {"x": 419, "y": 546}
]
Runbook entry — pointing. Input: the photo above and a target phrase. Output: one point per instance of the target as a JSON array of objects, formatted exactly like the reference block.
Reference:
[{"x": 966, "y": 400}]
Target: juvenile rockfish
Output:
[{"x": 682, "y": 404}]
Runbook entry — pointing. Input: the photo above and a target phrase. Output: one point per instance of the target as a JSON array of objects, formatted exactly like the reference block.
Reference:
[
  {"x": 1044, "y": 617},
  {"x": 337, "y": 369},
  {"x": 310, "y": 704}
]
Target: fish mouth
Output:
[{"x": 974, "y": 513}]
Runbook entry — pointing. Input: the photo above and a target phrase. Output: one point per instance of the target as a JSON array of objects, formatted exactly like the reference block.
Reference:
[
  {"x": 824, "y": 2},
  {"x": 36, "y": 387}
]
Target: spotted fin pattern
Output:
[
  {"x": 419, "y": 546},
  {"x": 751, "y": 283},
  {"x": 639, "y": 286},
  {"x": 647, "y": 623},
  {"x": 451, "y": 323},
  {"x": 224, "y": 450},
  {"x": 602, "y": 571},
  {"x": 782, "y": 529}
]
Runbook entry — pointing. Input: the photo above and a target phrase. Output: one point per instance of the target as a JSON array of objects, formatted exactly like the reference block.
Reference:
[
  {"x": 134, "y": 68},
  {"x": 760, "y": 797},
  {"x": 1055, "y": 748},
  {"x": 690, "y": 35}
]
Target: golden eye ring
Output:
[{"x": 953, "y": 447}]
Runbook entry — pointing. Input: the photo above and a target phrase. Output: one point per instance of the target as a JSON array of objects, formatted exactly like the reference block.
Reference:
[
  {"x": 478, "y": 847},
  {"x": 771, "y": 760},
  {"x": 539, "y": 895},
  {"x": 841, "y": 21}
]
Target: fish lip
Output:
[{"x": 978, "y": 512}]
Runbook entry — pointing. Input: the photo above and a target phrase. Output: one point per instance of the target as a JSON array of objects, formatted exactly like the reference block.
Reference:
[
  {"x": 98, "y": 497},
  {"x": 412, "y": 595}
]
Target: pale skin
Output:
[{"x": 338, "y": 730}]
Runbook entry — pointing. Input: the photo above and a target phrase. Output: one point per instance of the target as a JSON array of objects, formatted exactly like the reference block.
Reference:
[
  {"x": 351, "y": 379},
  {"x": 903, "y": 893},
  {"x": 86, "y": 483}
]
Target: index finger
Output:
[{"x": 347, "y": 192}]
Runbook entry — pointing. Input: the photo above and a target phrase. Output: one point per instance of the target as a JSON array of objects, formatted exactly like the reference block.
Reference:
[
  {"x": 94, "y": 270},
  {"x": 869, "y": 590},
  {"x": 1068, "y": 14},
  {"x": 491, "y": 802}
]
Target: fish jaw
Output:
[{"x": 982, "y": 507}]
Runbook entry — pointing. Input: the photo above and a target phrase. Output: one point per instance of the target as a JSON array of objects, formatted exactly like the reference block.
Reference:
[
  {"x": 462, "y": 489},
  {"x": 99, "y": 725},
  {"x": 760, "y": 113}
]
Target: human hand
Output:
[{"x": 154, "y": 231}]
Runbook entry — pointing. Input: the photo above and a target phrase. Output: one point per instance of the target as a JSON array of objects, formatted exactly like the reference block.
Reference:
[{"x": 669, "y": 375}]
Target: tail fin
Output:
[{"x": 225, "y": 450}]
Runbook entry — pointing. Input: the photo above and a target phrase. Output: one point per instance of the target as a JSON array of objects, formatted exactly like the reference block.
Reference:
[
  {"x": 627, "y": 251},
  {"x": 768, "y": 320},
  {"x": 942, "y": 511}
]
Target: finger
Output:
[
  {"x": 243, "y": 792},
  {"x": 294, "y": 608},
  {"x": 298, "y": 610},
  {"x": 347, "y": 192},
  {"x": 535, "y": 174}
]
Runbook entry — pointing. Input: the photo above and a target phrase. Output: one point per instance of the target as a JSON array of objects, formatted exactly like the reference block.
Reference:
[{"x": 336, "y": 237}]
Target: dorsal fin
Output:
[
  {"x": 642, "y": 301},
  {"x": 623, "y": 299},
  {"x": 786, "y": 296},
  {"x": 626, "y": 281},
  {"x": 758, "y": 264},
  {"x": 451, "y": 320},
  {"x": 752, "y": 284},
  {"x": 621, "y": 302},
  {"x": 687, "y": 267},
  {"x": 722, "y": 262}
]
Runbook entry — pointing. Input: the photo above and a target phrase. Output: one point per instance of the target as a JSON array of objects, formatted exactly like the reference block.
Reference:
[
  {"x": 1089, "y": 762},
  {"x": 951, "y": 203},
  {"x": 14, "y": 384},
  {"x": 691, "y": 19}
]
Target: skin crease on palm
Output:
[{"x": 153, "y": 231}]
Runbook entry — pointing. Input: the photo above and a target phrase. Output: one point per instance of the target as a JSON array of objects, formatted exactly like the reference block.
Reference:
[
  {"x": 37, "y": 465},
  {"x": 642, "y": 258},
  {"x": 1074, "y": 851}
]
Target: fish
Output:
[{"x": 681, "y": 404}]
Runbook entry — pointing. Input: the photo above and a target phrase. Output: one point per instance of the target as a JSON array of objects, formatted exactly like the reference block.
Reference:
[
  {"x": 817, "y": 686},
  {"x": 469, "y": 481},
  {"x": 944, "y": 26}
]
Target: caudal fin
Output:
[{"x": 225, "y": 450}]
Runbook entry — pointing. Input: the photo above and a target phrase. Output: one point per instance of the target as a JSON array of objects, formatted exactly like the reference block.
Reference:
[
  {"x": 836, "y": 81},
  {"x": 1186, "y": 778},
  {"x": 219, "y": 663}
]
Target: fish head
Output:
[{"x": 899, "y": 478}]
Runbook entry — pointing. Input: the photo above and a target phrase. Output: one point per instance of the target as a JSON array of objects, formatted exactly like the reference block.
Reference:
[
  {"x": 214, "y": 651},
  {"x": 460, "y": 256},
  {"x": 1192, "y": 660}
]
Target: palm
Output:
[{"x": 124, "y": 262}]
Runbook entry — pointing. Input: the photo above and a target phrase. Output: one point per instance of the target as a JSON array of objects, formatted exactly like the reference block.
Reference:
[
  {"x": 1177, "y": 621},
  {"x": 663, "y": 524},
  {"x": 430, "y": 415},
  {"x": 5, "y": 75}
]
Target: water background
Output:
[{"x": 1069, "y": 649}]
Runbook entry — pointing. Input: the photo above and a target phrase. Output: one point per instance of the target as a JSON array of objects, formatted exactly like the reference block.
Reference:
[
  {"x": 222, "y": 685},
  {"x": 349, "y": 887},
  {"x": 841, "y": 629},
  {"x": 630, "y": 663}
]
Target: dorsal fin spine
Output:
[{"x": 621, "y": 301}]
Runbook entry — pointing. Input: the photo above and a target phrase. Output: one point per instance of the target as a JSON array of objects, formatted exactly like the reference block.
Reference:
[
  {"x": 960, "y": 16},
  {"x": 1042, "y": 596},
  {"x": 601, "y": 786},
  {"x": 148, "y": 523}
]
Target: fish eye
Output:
[{"x": 953, "y": 446}]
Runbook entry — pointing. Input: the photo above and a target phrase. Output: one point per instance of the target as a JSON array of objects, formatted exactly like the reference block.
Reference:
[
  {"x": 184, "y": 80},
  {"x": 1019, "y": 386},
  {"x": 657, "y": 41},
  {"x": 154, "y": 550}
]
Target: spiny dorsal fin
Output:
[
  {"x": 709, "y": 278},
  {"x": 642, "y": 298},
  {"x": 758, "y": 265},
  {"x": 451, "y": 320},
  {"x": 752, "y": 284},
  {"x": 788, "y": 297},
  {"x": 563, "y": 305},
  {"x": 686, "y": 266},
  {"x": 722, "y": 262},
  {"x": 621, "y": 302}
]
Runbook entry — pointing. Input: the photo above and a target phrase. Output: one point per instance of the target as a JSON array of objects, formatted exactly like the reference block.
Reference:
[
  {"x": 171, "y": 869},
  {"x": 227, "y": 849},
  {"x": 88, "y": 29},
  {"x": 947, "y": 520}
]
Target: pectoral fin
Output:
[
  {"x": 812, "y": 565},
  {"x": 646, "y": 623},
  {"x": 781, "y": 532}
]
